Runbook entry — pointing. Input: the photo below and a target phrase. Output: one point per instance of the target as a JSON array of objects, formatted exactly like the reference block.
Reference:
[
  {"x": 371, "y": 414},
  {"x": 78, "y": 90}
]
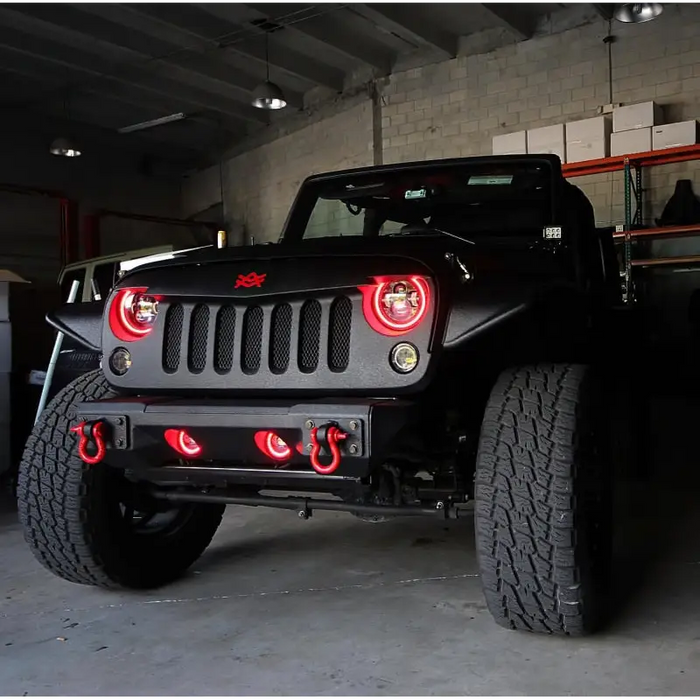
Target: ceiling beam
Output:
[
  {"x": 398, "y": 19},
  {"x": 204, "y": 74},
  {"x": 250, "y": 42},
  {"x": 605, "y": 10},
  {"x": 289, "y": 61},
  {"x": 512, "y": 17},
  {"x": 62, "y": 41},
  {"x": 327, "y": 30},
  {"x": 157, "y": 80},
  {"x": 196, "y": 134}
]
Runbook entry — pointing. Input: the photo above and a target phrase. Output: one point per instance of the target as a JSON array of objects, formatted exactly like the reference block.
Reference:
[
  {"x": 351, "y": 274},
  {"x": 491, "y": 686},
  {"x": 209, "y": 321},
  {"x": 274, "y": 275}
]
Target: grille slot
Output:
[
  {"x": 251, "y": 348},
  {"x": 199, "y": 331},
  {"x": 309, "y": 336},
  {"x": 339, "y": 332},
  {"x": 280, "y": 338},
  {"x": 225, "y": 336},
  {"x": 173, "y": 338}
]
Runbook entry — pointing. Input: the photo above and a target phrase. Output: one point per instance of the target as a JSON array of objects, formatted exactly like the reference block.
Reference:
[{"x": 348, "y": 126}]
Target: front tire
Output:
[
  {"x": 83, "y": 522},
  {"x": 543, "y": 502}
]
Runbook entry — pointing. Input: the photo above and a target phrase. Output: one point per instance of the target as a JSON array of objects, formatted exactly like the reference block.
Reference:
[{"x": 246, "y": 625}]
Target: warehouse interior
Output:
[{"x": 140, "y": 128}]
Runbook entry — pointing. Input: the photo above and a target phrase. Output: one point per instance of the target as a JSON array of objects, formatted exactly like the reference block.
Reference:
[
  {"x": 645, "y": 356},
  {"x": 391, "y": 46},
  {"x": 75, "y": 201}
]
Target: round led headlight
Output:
[
  {"x": 120, "y": 361},
  {"x": 404, "y": 357}
]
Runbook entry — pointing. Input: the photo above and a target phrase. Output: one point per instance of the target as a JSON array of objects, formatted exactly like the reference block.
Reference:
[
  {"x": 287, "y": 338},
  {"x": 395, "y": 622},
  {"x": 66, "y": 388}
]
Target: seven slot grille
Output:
[{"x": 236, "y": 338}]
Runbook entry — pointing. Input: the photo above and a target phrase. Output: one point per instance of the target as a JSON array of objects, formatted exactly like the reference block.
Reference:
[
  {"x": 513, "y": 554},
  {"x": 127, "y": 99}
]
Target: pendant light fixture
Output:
[
  {"x": 268, "y": 95},
  {"x": 63, "y": 145},
  {"x": 637, "y": 12}
]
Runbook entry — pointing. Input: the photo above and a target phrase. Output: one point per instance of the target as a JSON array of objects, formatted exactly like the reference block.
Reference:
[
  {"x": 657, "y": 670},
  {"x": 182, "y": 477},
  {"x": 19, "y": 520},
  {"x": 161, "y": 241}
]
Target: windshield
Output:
[{"x": 472, "y": 200}]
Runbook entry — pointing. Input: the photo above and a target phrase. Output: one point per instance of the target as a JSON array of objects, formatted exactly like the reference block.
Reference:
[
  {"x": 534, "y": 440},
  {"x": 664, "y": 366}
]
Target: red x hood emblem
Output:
[{"x": 252, "y": 279}]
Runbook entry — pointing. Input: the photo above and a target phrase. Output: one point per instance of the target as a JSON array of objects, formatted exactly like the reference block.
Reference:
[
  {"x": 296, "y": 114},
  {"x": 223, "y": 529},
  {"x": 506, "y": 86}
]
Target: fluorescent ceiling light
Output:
[{"x": 153, "y": 122}]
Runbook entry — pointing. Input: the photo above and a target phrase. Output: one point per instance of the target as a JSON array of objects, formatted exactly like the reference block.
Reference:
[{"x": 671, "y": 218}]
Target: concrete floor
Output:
[{"x": 338, "y": 606}]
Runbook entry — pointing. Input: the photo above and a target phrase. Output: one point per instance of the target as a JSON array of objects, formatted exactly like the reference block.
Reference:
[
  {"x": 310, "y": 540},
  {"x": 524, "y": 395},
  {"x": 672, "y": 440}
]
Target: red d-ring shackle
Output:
[
  {"x": 96, "y": 435},
  {"x": 333, "y": 436}
]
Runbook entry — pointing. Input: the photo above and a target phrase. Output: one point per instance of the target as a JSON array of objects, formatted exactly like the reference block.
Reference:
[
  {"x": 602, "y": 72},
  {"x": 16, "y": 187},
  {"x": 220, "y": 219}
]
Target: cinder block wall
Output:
[
  {"x": 454, "y": 108},
  {"x": 260, "y": 185}
]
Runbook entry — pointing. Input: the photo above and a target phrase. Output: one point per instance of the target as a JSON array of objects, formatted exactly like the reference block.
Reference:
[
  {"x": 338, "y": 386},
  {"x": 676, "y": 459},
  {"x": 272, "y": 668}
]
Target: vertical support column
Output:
[
  {"x": 69, "y": 231},
  {"x": 377, "y": 131},
  {"x": 627, "y": 298},
  {"x": 640, "y": 195}
]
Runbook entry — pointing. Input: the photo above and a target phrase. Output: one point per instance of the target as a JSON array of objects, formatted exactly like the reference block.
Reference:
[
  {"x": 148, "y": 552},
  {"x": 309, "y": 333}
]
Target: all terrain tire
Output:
[
  {"x": 543, "y": 501},
  {"x": 80, "y": 521}
]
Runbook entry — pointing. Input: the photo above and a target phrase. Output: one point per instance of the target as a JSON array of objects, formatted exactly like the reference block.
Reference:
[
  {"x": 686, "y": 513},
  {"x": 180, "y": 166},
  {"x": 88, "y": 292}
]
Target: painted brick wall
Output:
[
  {"x": 260, "y": 185},
  {"x": 454, "y": 108}
]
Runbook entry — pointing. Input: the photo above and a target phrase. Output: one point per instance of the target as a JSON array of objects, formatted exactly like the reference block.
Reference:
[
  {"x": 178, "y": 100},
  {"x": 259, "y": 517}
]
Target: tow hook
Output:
[
  {"x": 326, "y": 438},
  {"x": 90, "y": 431}
]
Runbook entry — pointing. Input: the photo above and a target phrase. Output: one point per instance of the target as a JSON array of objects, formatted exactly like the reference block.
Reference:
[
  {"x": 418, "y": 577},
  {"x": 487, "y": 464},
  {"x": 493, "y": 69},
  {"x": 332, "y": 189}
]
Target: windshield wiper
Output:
[{"x": 427, "y": 229}]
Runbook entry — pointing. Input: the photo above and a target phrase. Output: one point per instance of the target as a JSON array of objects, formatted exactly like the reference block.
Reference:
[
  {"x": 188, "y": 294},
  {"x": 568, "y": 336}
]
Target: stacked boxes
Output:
[{"x": 634, "y": 128}]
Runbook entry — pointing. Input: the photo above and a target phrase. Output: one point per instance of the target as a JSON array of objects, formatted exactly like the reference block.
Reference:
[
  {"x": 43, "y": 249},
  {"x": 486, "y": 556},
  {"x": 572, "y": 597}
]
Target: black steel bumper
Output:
[{"x": 134, "y": 429}]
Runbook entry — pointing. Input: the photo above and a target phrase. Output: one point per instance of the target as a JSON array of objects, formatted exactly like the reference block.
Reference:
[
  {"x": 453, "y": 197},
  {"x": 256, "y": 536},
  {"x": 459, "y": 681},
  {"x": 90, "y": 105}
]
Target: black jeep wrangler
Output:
[{"x": 423, "y": 336}]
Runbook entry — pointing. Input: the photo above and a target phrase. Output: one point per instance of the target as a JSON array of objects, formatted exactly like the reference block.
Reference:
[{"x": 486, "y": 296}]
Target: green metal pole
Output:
[{"x": 628, "y": 234}]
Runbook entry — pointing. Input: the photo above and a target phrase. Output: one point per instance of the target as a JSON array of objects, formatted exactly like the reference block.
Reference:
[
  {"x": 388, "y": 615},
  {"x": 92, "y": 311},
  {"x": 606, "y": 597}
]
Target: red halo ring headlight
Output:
[
  {"x": 272, "y": 445},
  {"x": 132, "y": 313},
  {"x": 396, "y": 305},
  {"x": 182, "y": 442}
]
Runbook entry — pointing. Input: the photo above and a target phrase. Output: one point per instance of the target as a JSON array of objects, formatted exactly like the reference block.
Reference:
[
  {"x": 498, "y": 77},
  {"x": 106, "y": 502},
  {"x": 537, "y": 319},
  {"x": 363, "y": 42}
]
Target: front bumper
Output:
[{"x": 134, "y": 429}]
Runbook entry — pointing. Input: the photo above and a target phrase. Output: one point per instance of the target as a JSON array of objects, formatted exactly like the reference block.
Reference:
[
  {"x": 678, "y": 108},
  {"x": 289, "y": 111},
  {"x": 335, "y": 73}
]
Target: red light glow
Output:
[
  {"x": 378, "y": 313},
  {"x": 272, "y": 445},
  {"x": 123, "y": 321},
  {"x": 181, "y": 442}
]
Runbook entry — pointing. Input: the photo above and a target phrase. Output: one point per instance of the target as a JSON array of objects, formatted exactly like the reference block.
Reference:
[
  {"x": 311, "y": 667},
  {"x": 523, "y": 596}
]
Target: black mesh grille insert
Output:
[
  {"x": 251, "y": 348},
  {"x": 199, "y": 330},
  {"x": 309, "y": 336},
  {"x": 173, "y": 337},
  {"x": 280, "y": 338},
  {"x": 225, "y": 335},
  {"x": 339, "y": 330}
]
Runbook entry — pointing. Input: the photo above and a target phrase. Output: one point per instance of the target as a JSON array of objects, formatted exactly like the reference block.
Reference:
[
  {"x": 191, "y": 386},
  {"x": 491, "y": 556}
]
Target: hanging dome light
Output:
[
  {"x": 63, "y": 146},
  {"x": 636, "y": 13},
  {"x": 269, "y": 96}
]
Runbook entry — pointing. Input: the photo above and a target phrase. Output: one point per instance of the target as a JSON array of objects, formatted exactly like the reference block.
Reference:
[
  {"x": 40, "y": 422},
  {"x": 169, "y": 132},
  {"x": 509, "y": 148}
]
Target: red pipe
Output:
[{"x": 91, "y": 236}]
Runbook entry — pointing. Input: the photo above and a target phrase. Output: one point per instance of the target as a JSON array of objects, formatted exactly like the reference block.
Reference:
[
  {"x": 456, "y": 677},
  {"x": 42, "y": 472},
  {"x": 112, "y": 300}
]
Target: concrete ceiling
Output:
[{"x": 101, "y": 66}]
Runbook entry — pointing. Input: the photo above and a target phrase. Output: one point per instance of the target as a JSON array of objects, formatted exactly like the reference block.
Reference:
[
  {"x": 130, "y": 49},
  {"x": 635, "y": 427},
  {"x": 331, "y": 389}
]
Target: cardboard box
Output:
[
  {"x": 510, "y": 144},
  {"x": 674, "y": 135},
  {"x": 5, "y": 346},
  {"x": 588, "y": 130},
  {"x": 639, "y": 116},
  {"x": 587, "y": 150},
  {"x": 625, "y": 142},
  {"x": 547, "y": 139}
]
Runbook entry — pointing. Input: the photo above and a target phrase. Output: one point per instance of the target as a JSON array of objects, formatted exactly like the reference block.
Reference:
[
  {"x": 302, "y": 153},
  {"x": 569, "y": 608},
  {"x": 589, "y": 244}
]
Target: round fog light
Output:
[
  {"x": 120, "y": 361},
  {"x": 404, "y": 357}
]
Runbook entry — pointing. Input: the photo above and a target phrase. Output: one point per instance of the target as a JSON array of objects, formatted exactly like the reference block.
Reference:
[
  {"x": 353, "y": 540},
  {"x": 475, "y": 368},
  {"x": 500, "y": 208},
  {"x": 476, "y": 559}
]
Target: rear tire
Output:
[
  {"x": 543, "y": 502},
  {"x": 79, "y": 520}
]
